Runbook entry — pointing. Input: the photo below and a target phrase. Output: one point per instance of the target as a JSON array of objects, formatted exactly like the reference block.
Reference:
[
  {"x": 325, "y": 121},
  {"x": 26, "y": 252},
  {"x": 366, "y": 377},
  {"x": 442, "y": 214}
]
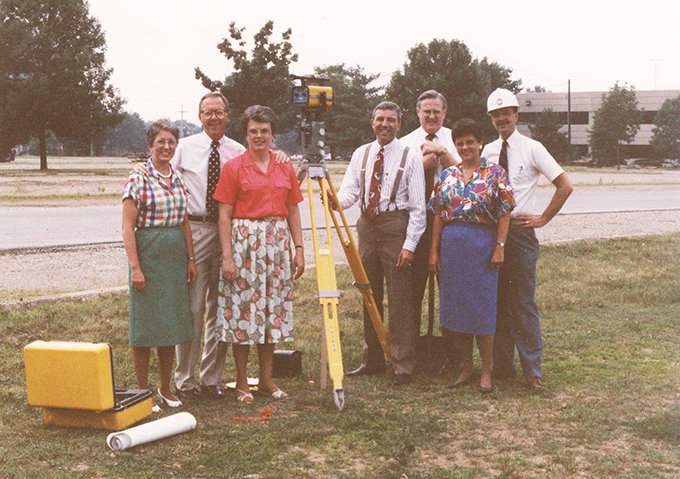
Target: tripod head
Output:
[{"x": 314, "y": 96}]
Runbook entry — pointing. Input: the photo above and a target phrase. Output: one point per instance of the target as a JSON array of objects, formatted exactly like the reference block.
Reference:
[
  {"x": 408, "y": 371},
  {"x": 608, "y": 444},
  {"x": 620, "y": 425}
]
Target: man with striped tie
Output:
[
  {"x": 525, "y": 160},
  {"x": 387, "y": 179}
]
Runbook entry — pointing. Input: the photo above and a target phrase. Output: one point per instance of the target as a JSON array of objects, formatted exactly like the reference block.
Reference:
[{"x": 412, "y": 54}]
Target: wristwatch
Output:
[{"x": 501, "y": 244}]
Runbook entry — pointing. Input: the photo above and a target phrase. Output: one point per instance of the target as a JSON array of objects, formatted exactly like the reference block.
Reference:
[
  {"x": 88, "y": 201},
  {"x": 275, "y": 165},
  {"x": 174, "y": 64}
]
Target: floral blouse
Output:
[{"x": 482, "y": 201}]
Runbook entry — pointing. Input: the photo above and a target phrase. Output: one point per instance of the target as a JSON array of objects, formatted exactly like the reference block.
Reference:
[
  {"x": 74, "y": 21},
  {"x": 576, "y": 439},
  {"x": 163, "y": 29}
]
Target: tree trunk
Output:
[{"x": 43, "y": 150}]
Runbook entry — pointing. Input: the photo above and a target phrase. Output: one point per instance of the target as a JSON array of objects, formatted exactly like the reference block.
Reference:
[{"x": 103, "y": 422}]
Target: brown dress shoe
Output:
[
  {"x": 213, "y": 392},
  {"x": 536, "y": 385},
  {"x": 402, "y": 379}
]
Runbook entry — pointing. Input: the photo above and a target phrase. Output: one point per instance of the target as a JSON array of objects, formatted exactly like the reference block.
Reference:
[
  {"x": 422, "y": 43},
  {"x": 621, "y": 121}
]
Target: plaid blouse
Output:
[{"x": 157, "y": 204}]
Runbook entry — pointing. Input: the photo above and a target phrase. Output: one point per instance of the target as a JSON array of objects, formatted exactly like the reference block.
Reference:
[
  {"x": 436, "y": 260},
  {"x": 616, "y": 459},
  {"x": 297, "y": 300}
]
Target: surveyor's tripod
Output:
[
  {"x": 315, "y": 96},
  {"x": 331, "y": 355}
]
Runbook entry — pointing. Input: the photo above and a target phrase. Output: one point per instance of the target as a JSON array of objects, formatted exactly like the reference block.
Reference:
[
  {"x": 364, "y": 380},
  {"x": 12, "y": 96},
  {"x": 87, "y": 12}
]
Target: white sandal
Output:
[
  {"x": 278, "y": 394},
  {"x": 244, "y": 397}
]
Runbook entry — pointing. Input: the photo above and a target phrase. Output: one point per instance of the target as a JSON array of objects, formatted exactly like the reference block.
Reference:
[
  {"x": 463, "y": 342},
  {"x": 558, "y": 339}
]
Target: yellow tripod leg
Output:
[
  {"x": 329, "y": 299},
  {"x": 358, "y": 271}
]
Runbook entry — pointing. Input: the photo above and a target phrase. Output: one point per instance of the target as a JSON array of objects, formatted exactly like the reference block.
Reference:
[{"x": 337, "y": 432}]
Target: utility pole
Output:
[
  {"x": 181, "y": 119},
  {"x": 569, "y": 119},
  {"x": 656, "y": 64}
]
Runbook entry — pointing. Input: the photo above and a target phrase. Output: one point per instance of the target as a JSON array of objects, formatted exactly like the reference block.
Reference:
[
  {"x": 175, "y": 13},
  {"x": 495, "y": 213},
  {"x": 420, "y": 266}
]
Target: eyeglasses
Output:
[
  {"x": 431, "y": 112},
  {"x": 217, "y": 113},
  {"x": 165, "y": 142}
]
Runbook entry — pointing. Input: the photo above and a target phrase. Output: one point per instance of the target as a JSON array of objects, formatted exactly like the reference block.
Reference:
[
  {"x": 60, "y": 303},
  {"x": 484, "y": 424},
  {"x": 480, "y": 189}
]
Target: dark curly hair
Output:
[{"x": 465, "y": 127}]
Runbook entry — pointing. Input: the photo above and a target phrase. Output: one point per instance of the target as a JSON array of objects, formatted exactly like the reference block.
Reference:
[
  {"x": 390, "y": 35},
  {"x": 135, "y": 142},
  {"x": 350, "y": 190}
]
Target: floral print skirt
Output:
[{"x": 257, "y": 307}]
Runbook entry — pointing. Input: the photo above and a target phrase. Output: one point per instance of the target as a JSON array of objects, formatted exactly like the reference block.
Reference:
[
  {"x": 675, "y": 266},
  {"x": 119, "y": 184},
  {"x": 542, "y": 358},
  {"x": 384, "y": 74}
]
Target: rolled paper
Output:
[{"x": 152, "y": 431}]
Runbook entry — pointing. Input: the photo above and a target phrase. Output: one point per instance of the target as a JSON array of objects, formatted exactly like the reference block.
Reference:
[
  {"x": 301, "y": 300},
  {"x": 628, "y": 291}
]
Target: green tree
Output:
[
  {"x": 449, "y": 68},
  {"x": 666, "y": 134},
  {"x": 617, "y": 121},
  {"x": 186, "y": 128},
  {"x": 289, "y": 142},
  {"x": 53, "y": 75},
  {"x": 547, "y": 131},
  {"x": 262, "y": 79},
  {"x": 538, "y": 89},
  {"x": 128, "y": 138},
  {"x": 348, "y": 121}
]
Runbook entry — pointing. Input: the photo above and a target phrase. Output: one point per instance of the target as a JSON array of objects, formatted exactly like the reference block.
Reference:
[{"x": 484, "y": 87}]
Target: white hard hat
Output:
[{"x": 501, "y": 98}]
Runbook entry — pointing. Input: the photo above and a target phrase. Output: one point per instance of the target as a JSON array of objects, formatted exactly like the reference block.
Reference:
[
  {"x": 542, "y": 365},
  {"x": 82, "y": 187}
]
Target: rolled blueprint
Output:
[{"x": 152, "y": 431}]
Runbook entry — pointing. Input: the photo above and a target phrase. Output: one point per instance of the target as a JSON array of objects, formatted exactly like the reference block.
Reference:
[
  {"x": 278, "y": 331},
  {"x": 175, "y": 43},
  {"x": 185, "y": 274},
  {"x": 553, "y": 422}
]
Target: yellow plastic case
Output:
[
  {"x": 134, "y": 405},
  {"x": 72, "y": 375},
  {"x": 74, "y": 383}
]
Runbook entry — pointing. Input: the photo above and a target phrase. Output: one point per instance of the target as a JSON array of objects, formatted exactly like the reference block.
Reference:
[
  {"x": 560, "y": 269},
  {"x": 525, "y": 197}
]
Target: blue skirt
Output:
[{"x": 468, "y": 287}]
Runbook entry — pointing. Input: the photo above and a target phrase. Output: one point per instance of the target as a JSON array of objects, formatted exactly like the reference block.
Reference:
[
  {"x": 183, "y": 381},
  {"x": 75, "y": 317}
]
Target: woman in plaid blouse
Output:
[{"x": 159, "y": 248}]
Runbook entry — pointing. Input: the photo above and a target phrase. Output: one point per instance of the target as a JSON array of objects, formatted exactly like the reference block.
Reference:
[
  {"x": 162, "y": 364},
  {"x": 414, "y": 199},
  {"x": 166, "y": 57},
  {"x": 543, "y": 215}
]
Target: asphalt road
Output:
[{"x": 25, "y": 227}]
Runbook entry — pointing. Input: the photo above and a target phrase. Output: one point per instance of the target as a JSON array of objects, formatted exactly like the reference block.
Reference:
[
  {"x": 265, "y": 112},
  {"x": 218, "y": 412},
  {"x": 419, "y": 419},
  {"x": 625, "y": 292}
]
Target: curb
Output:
[{"x": 81, "y": 296}]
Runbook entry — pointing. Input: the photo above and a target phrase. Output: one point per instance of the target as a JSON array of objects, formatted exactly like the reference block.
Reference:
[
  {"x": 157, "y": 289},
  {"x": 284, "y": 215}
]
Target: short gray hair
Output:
[
  {"x": 259, "y": 114},
  {"x": 213, "y": 94},
  {"x": 431, "y": 94},
  {"x": 387, "y": 105},
  {"x": 159, "y": 125}
]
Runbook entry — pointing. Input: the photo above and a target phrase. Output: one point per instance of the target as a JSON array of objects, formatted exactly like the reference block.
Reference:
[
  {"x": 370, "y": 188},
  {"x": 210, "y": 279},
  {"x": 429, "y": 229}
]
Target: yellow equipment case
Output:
[{"x": 74, "y": 383}]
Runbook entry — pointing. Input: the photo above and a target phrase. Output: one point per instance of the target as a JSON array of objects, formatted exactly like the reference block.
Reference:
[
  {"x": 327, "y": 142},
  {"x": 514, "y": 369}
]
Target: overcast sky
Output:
[{"x": 154, "y": 45}]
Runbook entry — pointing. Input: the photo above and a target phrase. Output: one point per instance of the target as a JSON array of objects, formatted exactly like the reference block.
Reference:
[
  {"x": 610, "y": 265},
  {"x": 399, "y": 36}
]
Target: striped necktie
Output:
[{"x": 376, "y": 185}]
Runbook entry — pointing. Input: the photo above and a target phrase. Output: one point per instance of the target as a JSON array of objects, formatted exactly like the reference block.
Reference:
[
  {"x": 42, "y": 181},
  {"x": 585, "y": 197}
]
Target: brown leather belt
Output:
[{"x": 202, "y": 219}]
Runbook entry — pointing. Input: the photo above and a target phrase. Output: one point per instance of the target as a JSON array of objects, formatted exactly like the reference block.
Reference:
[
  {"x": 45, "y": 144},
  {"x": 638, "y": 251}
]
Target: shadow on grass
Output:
[{"x": 664, "y": 427}]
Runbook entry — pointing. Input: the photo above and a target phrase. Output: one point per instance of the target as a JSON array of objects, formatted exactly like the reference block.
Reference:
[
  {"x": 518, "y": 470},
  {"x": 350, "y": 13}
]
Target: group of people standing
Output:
[
  {"x": 236, "y": 210},
  {"x": 213, "y": 236},
  {"x": 435, "y": 202}
]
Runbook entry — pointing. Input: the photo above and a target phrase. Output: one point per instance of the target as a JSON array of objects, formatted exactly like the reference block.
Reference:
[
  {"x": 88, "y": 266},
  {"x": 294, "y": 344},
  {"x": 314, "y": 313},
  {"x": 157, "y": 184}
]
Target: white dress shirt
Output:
[
  {"x": 527, "y": 161},
  {"x": 417, "y": 137},
  {"x": 191, "y": 161},
  {"x": 410, "y": 194}
]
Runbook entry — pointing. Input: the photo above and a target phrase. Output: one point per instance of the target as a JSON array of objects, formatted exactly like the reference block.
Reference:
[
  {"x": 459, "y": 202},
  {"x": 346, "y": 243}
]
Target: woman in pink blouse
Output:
[
  {"x": 158, "y": 244},
  {"x": 258, "y": 214},
  {"x": 472, "y": 203}
]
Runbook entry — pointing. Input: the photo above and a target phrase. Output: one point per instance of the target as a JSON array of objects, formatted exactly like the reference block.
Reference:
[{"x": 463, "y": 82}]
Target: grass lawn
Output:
[{"x": 610, "y": 316}]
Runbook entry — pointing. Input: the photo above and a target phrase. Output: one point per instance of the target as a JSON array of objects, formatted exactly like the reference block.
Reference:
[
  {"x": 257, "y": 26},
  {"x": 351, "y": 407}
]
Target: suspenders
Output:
[{"x": 397, "y": 181}]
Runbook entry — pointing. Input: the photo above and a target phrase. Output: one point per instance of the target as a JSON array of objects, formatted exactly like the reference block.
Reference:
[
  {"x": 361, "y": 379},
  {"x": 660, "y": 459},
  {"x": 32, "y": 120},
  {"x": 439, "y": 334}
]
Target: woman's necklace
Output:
[{"x": 165, "y": 176}]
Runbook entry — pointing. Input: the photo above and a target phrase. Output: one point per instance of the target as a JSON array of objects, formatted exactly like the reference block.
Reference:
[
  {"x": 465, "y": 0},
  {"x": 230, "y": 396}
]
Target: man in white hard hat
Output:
[
  {"x": 517, "y": 323},
  {"x": 433, "y": 145}
]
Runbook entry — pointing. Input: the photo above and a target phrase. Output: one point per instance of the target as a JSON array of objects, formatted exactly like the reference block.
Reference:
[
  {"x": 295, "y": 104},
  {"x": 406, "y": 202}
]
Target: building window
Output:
[{"x": 577, "y": 117}]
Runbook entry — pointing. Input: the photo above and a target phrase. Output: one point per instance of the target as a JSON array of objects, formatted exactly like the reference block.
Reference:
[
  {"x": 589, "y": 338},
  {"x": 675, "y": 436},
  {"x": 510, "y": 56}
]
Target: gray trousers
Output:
[
  {"x": 203, "y": 305},
  {"x": 380, "y": 242}
]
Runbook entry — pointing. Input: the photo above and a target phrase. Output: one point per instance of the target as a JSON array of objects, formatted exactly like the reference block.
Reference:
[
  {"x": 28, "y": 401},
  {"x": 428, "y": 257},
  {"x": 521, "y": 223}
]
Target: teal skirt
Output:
[{"x": 159, "y": 314}]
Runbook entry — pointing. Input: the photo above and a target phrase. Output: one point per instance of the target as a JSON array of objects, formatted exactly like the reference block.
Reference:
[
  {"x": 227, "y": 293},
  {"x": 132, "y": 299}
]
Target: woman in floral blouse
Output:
[
  {"x": 472, "y": 203},
  {"x": 258, "y": 214}
]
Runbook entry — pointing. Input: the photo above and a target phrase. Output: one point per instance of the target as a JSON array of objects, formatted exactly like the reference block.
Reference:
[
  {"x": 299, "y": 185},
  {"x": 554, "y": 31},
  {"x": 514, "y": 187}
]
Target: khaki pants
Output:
[
  {"x": 203, "y": 305},
  {"x": 380, "y": 242}
]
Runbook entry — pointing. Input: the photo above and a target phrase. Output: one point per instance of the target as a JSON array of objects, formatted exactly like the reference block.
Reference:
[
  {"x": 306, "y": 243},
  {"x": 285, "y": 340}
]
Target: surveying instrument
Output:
[{"x": 314, "y": 96}]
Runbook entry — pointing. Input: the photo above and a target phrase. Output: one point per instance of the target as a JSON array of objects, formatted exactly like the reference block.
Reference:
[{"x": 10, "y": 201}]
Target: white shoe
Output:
[{"x": 169, "y": 402}]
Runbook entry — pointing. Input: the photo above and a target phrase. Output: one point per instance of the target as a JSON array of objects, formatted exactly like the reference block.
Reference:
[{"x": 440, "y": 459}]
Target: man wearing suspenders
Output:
[{"x": 387, "y": 180}]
